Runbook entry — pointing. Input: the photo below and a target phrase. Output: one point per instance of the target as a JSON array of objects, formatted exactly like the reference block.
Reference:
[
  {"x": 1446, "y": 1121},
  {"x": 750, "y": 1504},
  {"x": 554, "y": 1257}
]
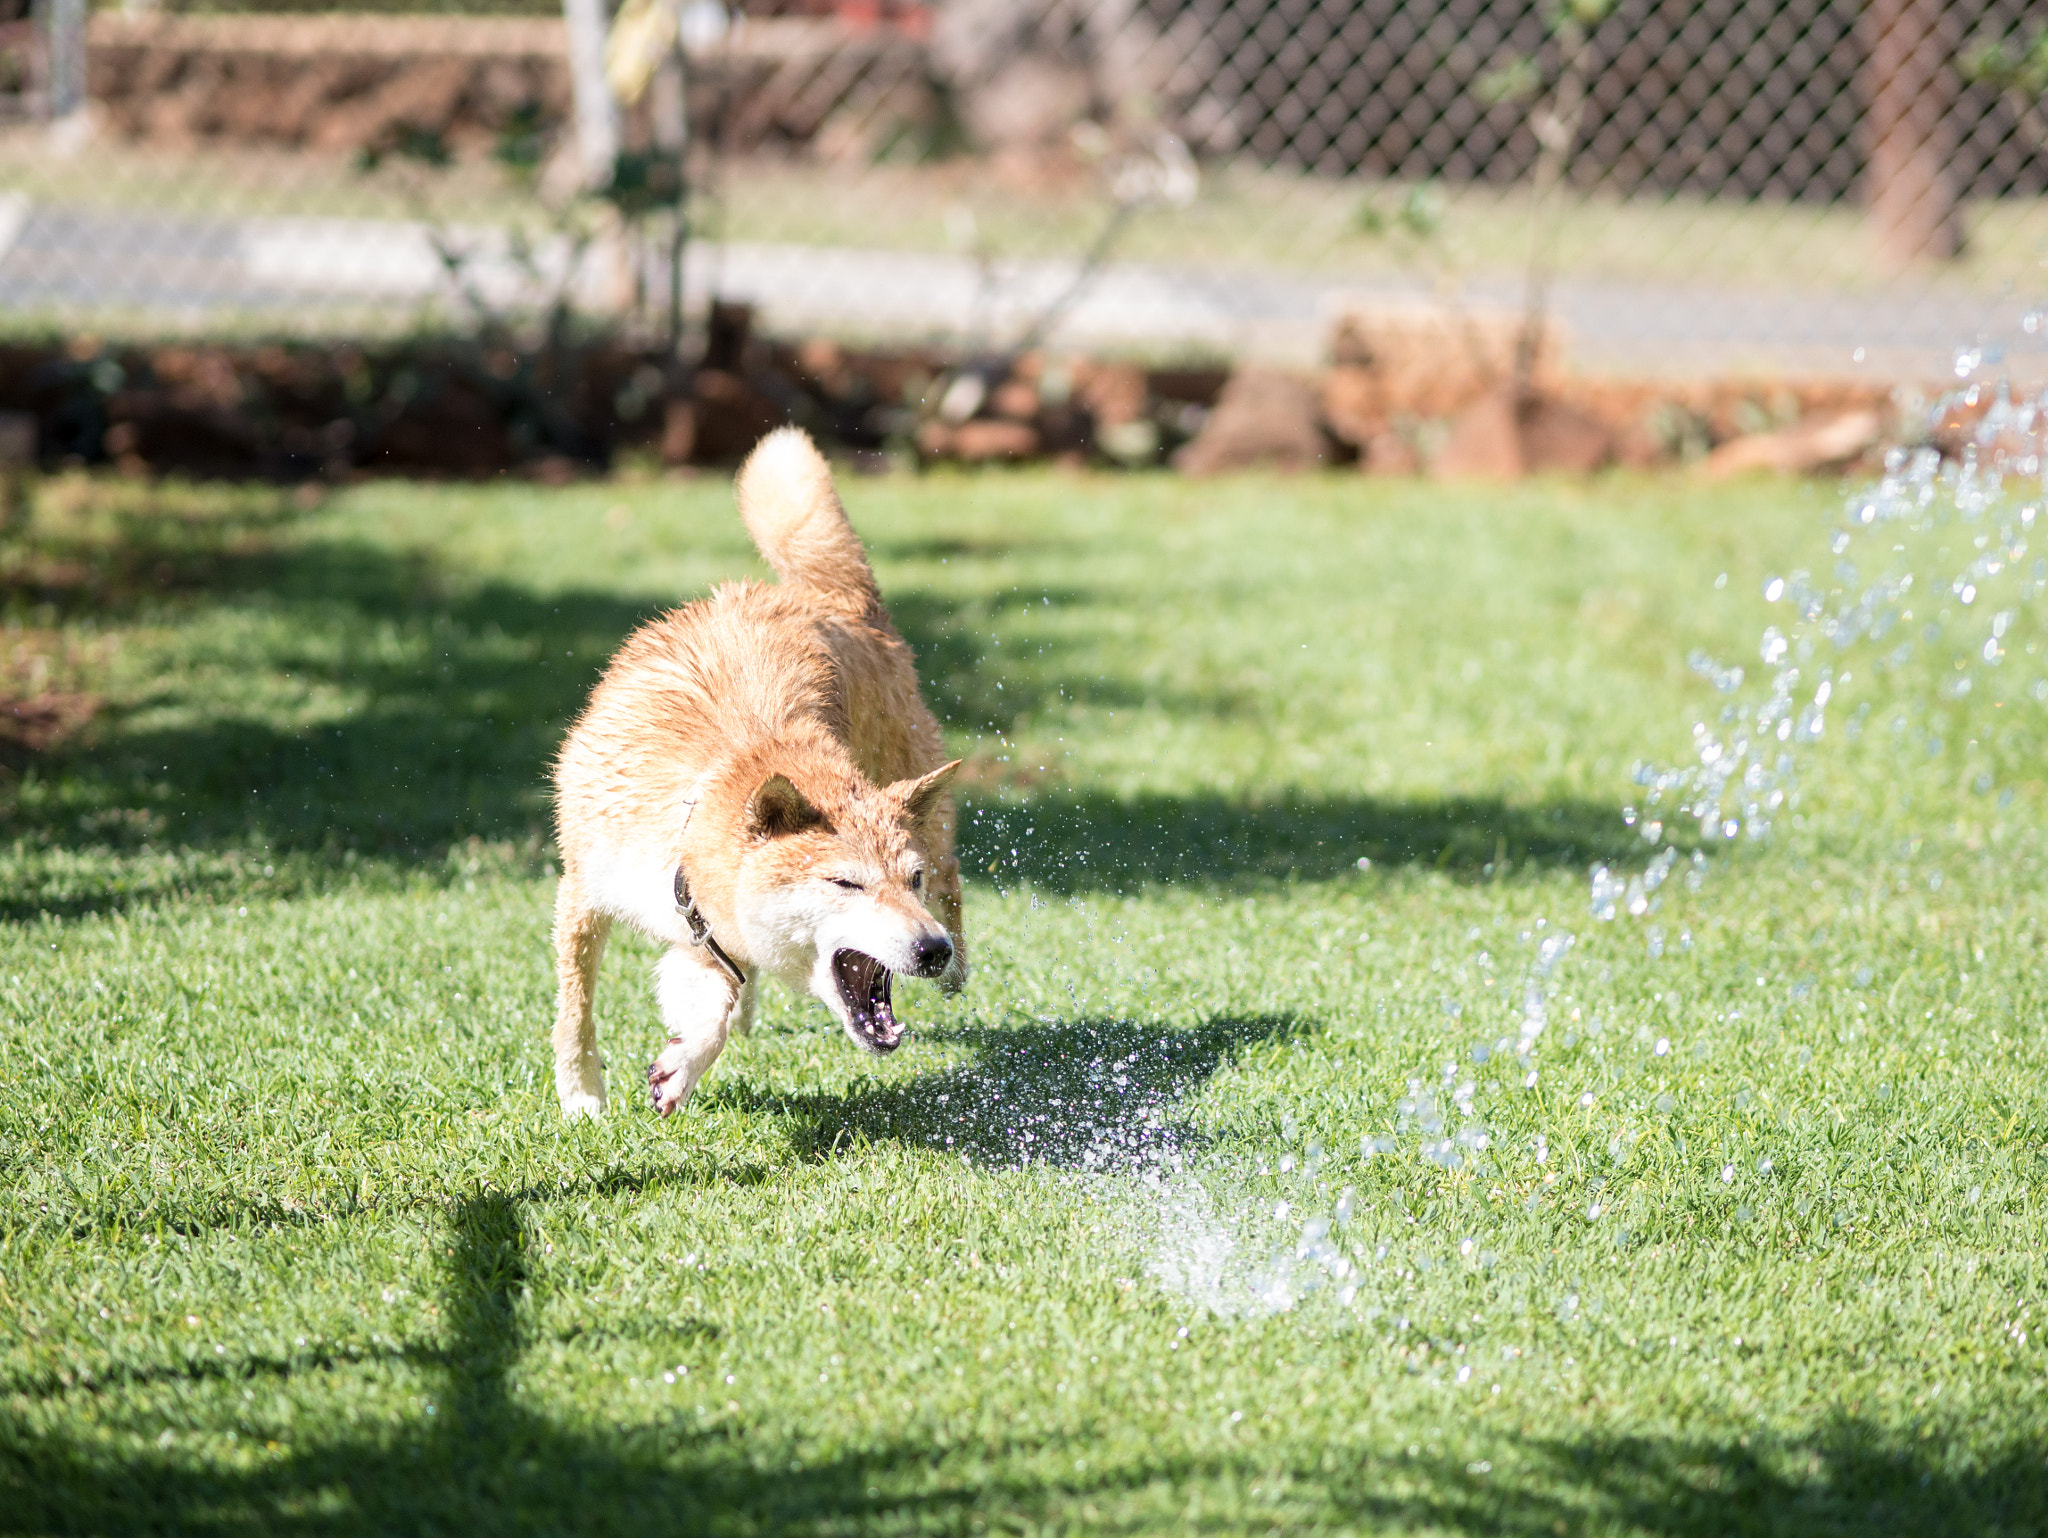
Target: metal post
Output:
[
  {"x": 67, "y": 57},
  {"x": 597, "y": 113},
  {"x": 1909, "y": 92},
  {"x": 670, "y": 111}
]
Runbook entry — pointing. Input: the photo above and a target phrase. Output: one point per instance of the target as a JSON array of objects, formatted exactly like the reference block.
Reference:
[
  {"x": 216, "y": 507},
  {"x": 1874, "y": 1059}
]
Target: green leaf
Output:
[{"x": 1518, "y": 80}]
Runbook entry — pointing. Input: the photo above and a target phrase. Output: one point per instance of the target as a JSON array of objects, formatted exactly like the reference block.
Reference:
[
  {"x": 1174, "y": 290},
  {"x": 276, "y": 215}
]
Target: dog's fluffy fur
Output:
[{"x": 771, "y": 742}]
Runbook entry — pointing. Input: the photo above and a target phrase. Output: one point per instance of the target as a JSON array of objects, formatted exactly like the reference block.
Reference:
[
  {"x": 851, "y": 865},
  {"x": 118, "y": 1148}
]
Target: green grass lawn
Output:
[{"x": 1283, "y": 797}]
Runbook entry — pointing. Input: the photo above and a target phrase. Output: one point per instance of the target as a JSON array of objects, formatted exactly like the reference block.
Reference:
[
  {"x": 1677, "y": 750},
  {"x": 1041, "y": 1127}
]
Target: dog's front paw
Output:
[
  {"x": 579, "y": 1085},
  {"x": 669, "y": 1079}
]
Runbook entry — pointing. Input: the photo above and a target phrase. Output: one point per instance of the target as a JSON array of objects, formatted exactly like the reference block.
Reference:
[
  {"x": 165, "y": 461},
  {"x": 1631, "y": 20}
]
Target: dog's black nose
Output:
[{"x": 932, "y": 955}]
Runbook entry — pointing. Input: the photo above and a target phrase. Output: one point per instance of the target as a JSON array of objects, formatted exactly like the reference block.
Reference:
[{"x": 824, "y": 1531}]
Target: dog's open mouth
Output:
[{"x": 864, "y": 987}]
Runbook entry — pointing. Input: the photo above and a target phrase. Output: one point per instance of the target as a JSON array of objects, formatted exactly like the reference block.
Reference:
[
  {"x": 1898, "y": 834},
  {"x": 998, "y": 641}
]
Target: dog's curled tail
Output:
[{"x": 793, "y": 514}]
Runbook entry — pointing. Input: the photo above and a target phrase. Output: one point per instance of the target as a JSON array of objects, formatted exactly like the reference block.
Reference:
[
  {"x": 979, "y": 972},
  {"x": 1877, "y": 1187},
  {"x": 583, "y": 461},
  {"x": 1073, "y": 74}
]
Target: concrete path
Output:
[{"x": 83, "y": 266}]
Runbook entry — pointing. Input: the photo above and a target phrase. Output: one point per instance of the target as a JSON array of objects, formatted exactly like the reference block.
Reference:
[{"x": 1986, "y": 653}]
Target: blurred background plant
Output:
[{"x": 2016, "y": 68}]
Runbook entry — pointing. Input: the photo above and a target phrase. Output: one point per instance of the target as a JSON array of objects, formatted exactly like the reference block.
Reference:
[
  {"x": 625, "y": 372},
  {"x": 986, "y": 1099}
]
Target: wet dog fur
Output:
[{"x": 770, "y": 742}]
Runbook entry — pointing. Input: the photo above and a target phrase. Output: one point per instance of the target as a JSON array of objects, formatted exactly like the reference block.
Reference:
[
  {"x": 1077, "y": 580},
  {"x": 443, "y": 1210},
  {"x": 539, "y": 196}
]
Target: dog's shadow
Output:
[{"x": 1081, "y": 1094}]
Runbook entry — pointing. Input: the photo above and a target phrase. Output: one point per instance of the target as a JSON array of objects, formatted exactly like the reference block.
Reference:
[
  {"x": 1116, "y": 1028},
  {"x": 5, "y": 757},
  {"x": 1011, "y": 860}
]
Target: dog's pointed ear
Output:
[
  {"x": 920, "y": 795},
  {"x": 778, "y": 807}
]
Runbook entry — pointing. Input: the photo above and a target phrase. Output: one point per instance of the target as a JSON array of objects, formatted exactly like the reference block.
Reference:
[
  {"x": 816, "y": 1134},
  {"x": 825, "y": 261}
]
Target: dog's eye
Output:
[
  {"x": 917, "y": 881},
  {"x": 841, "y": 881}
]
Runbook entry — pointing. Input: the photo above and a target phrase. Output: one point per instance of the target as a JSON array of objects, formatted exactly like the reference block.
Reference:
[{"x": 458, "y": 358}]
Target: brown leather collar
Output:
[
  {"x": 700, "y": 930},
  {"x": 693, "y": 916}
]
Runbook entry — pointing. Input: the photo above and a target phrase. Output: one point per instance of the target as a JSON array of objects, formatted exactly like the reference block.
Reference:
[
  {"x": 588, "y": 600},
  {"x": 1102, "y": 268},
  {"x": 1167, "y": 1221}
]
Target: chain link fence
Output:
[{"x": 1687, "y": 186}]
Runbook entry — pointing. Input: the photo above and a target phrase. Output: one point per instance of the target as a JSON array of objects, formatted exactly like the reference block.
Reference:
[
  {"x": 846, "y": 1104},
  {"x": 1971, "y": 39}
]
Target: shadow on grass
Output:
[
  {"x": 461, "y": 692},
  {"x": 169, "y": 1213},
  {"x": 479, "y": 1462},
  {"x": 462, "y": 695},
  {"x": 974, "y": 685},
  {"x": 1092, "y": 1094},
  {"x": 484, "y": 1461},
  {"x": 1077, "y": 840},
  {"x": 1851, "y": 1478}
]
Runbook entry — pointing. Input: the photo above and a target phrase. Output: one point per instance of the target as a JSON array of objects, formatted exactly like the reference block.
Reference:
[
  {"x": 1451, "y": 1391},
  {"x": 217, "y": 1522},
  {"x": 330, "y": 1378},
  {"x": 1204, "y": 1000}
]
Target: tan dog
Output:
[{"x": 757, "y": 782}]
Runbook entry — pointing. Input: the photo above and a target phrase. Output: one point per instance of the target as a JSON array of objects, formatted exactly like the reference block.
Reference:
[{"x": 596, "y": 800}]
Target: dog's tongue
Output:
[
  {"x": 866, "y": 984},
  {"x": 880, "y": 1021}
]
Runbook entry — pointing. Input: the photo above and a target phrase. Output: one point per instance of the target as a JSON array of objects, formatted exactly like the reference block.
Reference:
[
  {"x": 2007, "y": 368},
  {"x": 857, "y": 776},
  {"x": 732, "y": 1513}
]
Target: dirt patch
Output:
[
  {"x": 43, "y": 704},
  {"x": 988, "y": 771},
  {"x": 34, "y": 724}
]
